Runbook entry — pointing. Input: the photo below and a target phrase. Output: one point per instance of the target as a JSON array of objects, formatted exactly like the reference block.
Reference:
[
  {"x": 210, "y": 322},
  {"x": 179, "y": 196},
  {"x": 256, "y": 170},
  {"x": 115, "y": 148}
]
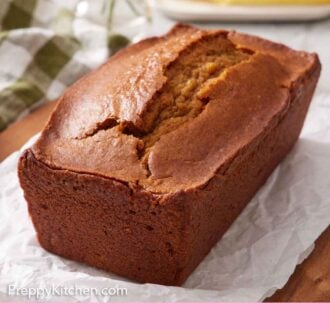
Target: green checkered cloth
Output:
[{"x": 44, "y": 47}]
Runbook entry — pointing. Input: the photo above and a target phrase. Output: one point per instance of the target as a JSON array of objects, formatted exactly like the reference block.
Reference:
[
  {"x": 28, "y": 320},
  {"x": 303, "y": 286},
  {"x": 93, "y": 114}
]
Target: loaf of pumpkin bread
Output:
[{"x": 147, "y": 161}]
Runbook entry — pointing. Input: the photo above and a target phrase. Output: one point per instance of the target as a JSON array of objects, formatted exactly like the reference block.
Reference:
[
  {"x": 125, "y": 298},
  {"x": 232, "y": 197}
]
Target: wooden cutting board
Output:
[{"x": 310, "y": 281}]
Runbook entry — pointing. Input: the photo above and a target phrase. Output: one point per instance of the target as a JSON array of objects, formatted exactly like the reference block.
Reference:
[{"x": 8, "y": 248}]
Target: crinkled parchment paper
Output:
[{"x": 276, "y": 231}]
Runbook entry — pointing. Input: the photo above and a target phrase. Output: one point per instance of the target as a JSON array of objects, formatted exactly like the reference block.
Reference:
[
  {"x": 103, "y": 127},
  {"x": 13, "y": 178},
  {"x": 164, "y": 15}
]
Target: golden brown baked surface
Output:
[
  {"x": 148, "y": 160},
  {"x": 168, "y": 113}
]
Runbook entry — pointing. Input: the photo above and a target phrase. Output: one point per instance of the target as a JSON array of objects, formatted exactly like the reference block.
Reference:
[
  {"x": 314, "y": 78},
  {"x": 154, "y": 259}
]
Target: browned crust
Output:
[
  {"x": 55, "y": 150},
  {"x": 160, "y": 236}
]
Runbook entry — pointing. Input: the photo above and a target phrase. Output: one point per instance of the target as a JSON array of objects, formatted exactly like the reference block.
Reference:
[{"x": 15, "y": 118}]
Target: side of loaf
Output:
[{"x": 147, "y": 161}]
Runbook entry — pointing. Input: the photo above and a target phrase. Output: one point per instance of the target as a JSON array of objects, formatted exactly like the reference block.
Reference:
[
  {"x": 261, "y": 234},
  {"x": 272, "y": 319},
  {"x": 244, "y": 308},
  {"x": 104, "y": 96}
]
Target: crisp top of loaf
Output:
[{"x": 168, "y": 113}]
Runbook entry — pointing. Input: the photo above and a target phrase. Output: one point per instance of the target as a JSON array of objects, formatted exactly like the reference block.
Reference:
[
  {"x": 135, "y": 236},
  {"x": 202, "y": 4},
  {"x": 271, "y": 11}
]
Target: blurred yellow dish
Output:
[{"x": 269, "y": 2}]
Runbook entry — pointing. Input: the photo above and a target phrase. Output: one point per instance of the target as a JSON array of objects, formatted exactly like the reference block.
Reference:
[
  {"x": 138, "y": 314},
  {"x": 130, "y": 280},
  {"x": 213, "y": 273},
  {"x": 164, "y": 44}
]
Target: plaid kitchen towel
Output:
[{"x": 45, "y": 45}]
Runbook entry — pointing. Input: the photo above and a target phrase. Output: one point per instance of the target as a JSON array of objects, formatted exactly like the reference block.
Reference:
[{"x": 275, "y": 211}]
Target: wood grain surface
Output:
[
  {"x": 18, "y": 133},
  {"x": 310, "y": 281}
]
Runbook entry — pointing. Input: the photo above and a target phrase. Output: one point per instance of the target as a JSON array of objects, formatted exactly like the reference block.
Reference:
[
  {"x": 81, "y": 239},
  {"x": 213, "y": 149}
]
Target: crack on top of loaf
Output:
[
  {"x": 185, "y": 93},
  {"x": 189, "y": 80},
  {"x": 107, "y": 124}
]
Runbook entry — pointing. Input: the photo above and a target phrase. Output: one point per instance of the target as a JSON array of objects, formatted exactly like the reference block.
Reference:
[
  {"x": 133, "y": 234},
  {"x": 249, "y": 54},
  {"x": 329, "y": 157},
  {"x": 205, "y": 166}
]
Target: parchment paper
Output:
[{"x": 256, "y": 256}]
